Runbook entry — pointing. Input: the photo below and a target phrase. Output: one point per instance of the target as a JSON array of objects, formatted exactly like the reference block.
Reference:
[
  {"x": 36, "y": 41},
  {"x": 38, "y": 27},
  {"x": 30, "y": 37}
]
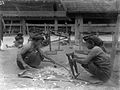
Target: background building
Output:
[{"x": 94, "y": 16}]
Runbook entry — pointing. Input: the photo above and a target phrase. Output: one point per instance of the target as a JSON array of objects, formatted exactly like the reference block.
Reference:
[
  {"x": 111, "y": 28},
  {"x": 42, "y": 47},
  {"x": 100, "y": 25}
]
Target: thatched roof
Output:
[
  {"x": 69, "y": 5},
  {"x": 30, "y": 5},
  {"x": 46, "y": 7},
  {"x": 35, "y": 8},
  {"x": 91, "y": 5}
]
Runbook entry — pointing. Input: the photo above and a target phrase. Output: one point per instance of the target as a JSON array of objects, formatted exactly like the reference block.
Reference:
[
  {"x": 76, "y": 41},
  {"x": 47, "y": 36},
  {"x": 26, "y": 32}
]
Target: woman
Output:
[
  {"x": 19, "y": 40},
  {"x": 97, "y": 61},
  {"x": 31, "y": 54}
]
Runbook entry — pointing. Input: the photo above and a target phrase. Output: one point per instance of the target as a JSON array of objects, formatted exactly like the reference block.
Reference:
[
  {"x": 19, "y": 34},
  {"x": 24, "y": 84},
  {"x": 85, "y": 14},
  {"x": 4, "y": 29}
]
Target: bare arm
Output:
[
  {"x": 20, "y": 53},
  {"x": 78, "y": 59},
  {"x": 94, "y": 52},
  {"x": 46, "y": 56},
  {"x": 82, "y": 52},
  {"x": 19, "y": 58},
  {"x": 81, "y": 60}
]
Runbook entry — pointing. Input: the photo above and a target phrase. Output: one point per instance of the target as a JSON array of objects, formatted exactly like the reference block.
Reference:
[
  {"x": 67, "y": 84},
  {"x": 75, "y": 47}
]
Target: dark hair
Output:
[
  {"x": 18, "y": 38},
  {"x": 36, "y": 37},
  {"x": 20, "y": 34},
  {"x": 92, "y": 39}
]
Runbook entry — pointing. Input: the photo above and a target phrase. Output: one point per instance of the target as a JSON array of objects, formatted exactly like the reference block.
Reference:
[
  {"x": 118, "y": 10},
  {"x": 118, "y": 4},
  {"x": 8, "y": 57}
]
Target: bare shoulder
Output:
[
  {"x": 96, "y": 48},
  {"x": 25, "y": 48}
]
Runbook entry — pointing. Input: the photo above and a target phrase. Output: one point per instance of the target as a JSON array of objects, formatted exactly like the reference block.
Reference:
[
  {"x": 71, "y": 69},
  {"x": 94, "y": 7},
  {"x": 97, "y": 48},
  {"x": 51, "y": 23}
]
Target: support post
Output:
[
  {"x": 89, "y": 26},
  {"x": 115, "y": 38},
  {"x": 50, "y": 52},
  {"x": 79, "y": 32},
  {"x": 1, "y": 31},
  {"x": 56, "y": 25},
  {"x": 23, "y": 26},
  {"x": 50, "y": 47},
  {"x": 10, "y": 28},
  {"x": 59, "y": 49},
  {"x": 76, "y": 31},
  {"x": 27, "y": 27},
  {"x": 80, "y": 28},
  {"x": 45, "y": 27}
]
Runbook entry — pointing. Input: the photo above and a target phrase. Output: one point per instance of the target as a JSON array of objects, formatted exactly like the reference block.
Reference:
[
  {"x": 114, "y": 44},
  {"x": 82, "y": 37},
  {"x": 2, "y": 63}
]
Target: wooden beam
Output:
[
  {"x": 85, "y": 25},
  {"x": 34, "y": 13}
]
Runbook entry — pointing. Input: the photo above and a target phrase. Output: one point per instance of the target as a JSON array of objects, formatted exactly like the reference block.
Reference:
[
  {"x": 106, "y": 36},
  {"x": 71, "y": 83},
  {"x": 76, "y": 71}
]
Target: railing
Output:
[{"x": 95, "y": 28}]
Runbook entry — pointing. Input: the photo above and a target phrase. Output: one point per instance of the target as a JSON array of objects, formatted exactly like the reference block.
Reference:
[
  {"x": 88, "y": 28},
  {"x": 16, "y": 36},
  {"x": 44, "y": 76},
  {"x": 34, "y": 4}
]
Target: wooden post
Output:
[
  {"x": 117, "y": 31},
  {"x": 89, "y": 26},
  {"x": 79, "y": 32},
  {"x": 20, "y": 27},
  {"x": 27, "y": 29},
  {"x": 10, "y": 27},
  {"x": 45, "y": 27},
  {"x": 50, "y": 52},
  {"x": 1, "y": 31},
  {"x": 48, "y": 28},
  {"x": 115, "y": 38},
  {"x": 76, "y": 31},
  {"x": 56, "y": 25},
  {"x": 23, "y": 26},
  {"x": 80, "y": 28}
]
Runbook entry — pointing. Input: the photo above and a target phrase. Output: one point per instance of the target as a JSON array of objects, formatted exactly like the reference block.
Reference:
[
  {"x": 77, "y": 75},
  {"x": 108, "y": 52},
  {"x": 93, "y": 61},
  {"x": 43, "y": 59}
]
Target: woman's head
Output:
[
  {"x": 20, "y": 34},
  {"x": 92, "y": 41},
  {"x": 36, "y": 39}
]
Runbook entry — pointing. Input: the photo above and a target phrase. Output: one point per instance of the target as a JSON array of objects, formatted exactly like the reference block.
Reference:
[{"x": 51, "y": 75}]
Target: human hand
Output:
[
  {"x": 69, "y": 54},
  {"x": 75, "y": 56},
  {"x": 27, "y": 66},
  {"x": 74, "y": 59},
  {"x": 52, "y": 61}
]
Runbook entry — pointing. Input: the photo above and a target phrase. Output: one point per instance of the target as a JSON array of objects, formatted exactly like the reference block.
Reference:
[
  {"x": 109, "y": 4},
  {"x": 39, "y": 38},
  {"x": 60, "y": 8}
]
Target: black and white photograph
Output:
[{"x": 59, "y": 44}]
